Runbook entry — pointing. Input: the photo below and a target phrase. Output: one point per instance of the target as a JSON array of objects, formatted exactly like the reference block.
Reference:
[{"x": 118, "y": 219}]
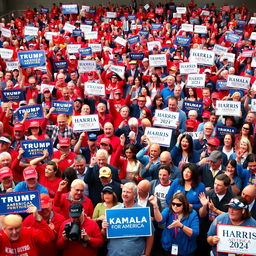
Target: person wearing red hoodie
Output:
[{"x": 18, "y": 240}]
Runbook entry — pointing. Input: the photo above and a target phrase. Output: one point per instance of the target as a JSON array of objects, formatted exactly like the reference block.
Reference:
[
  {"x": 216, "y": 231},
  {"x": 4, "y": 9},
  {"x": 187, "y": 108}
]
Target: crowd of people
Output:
[{"x": 191, "y": 182}]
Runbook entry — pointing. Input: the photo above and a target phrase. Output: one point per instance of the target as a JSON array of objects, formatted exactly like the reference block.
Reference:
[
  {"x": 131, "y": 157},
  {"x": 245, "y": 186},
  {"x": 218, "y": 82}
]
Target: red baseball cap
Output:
[
  {"x": 64, "y": 141},
  {"x": 117, "y": 91},
  {"x": 206, "y": 114},
  {"x": 29, "y": 173},
  {"x": 213, "y": 141},
  {"x": 19, "y": 127},
  {"x": 190, "y": 123},
  {"x": 45, "y": 200},
  {"x": 46, "y": 90},
  {"x": 34, "y": 124},
  {"x": 105, "y": 141},
  {"x": 5, "y": 172},
  {"x": 207, "y": 101},
  {"x": 215, "y": 95}
]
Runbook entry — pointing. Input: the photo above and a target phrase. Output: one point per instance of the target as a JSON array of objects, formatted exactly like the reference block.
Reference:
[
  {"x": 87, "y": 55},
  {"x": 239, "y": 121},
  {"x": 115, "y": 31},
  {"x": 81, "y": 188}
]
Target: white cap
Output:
[
  {"x": 145, "y": 59},
  {"x": 207, "y": 71}
]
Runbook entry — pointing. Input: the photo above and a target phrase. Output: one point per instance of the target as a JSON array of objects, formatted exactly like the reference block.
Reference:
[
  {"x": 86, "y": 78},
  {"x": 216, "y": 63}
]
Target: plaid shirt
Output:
[{"x": 53, "y": 131}]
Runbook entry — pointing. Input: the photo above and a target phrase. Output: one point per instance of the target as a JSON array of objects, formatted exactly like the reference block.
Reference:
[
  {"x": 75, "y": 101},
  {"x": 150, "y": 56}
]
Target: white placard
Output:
[
  {"x": 48, "y": 35},
  {"x": 86, "y": 8},
  {"x": 68, "y": 27},
  {"x": 152, "y": 44},
  {"x": 202, "y": 57},
  {"x": 238, "y": 82},
  {"x": 118, "y": 70},
  {"x": 188, "y": 68},
  {"x": 205, "y": 13},
  {"x": 85, "y": 123},
  {"x": 181, "y": 10},
  {"x": 91, "y": 35},
  {"x": 121, "y": 41},
  {"x": 196, "y": 81},
  {"x": 176, "y": 15},
  {"x": 86, "y": 66},
  {"x": 11, "y": 65},
  {"x": 252, "y": 20},
  {"x": 219, "y": 49},
  {"x": 253, "y": 105},
  {"x": 187, "y": 27},
  {"x": 236, "y": 239},
  {"x": 111, "y": 15},
  {"x": 30, "y": 31},
  {"x": 228, "y": 108},
  {"x": 200, "y": 29},
  {"x": 95, "y": 47},
  {"x": 146, "y": 6},
  {"x": 253, "y": 63},
  {"x": 228, "y": 55},
  {"x": 48, "y": 86},
  {"x": 85, "y": 28},
  {"x": 160, "y": 136},
  {"x": 165, "y": 118},
  {"x": 6, "y": 32},
  {"x": 194, "y": 135},
  {"x": 95, "y": 89},
  {"x": 6, "y": 54},
  {"x": 73, "y": 48},
  {"x": 157, "y": 60},
  {"x": 253, "y": 36}
]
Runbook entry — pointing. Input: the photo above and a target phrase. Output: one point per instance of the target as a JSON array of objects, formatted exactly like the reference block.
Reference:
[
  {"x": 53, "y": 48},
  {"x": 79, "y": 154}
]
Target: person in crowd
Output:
[
  {"x": 229, "y": 145},
  {"x": 181, "y": 225},
  {"x": 6, "y": 179},
  {"x": 90, "y": 236},
  {"x": 249, "y": 194}
]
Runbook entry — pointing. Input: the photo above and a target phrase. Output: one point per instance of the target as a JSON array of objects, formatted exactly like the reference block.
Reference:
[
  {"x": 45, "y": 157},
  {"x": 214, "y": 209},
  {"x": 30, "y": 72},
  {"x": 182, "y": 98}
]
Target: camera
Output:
[{"x": 73, "y": 231}]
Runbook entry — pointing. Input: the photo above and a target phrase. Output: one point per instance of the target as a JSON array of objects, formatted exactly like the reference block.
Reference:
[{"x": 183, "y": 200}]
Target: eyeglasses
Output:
[
  {"x": 246, "y": 128},
  {"x": 176, "y": 204}
]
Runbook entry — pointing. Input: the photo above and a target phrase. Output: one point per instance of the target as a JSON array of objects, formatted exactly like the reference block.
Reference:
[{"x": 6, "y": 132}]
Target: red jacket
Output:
[
  {"x": 71, "y": 248},
  {"x": 63, "y": 201},
  {"x": 28, "y": 242}
]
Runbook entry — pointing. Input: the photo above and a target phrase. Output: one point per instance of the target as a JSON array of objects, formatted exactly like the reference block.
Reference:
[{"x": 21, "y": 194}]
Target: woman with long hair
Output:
[
  {"x": 191, "y": 94},
  {"x": 188, "y": 184},
  {"x": 157, "y": 103},
  {"x": 245, "y": 132},
  {"x": 155, "y": 86},
  {"x": 229, "y": 144},
  {"x": 181, "y": 225}
]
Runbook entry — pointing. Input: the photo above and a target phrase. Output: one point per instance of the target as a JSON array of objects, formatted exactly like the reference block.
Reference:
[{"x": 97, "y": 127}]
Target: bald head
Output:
[
  {"x": 12, "y": 220},
  {"x": 249, "y": 193},
  {"x": 165, "y": 158},
  {"x": 143, "y": 188}
]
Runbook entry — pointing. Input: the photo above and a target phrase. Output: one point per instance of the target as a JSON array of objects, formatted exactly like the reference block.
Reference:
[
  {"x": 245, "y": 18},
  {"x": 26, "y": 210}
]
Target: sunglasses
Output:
[
  {"x": 246, "y": 128},
  {"x": 177, "y": 204}
]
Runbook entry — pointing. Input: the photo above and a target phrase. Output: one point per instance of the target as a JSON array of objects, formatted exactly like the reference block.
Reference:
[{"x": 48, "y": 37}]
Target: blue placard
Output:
[
  {"x": 222, "y": 85},
  {"x": 29, "y": 38},
  {"x": 156, "y": 26},
  {"x": 35, "y": 148},
  {"x": 35, "y": 112},
  {"x": 122, "y": 18},
  {"x": 88, "y": 22},
  {"x": 182, "y": 40},
  {"x": 133, "y": 40},
  {"x": 144, "y": 33},
  {"x": 128, "y": 222},
  {"x": 222, "y": 130},
  {"x": 17, "y": 202},
  {"x": 174, "y": 26},
  {"x": 77, "y": 32},
  {"x": 62, "y": 64},
  {"x": 132, "y": 17},
  {"x": 32, "y": 59},
  {"x": 85, "y": 51},
  {"x": 241, "y": 22},
  {"x": 232, "y": 37},
  {"x": 136, "y": 56},
  {"x": 62, "y": 107},
  {"x": 12, "y": 95},
  {"x": 192, "y": 105},
  {"x": 69, "y": 9},
  {"x": 92, "y": 11},
  {"x": 44, "y": 10},
  {"x": 193, "y": 20}
]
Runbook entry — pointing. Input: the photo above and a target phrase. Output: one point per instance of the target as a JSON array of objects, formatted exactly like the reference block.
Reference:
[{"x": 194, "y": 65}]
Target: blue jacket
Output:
[
  {"x": 192, "y": 194},
  {"x": 246, "y": 176},
  {"x": 186, "y": 244},
  {"x": 22, "y": 186}
]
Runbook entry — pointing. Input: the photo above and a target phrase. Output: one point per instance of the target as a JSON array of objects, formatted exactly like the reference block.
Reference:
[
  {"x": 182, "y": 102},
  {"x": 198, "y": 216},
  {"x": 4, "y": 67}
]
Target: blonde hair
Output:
[
  {"x": 13, "y": 220},
  {"x": 248, "y": 143}
]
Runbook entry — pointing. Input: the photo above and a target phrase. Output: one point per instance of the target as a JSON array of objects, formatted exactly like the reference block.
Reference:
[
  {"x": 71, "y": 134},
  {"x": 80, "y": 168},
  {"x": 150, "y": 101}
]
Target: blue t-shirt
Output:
[{"x": 22, "y": 186}]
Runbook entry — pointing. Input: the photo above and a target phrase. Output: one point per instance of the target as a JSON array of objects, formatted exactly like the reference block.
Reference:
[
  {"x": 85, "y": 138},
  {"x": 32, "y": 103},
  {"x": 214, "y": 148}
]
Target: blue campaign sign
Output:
[
  {"x": 85, "y": 51},
  {"x": 156, "y": 26},
  {"x": 222, "y": 130},
  {"x": 241, "y": 22},
  {"x": 192, "y": 105},
  {"x": 29, "y": 38},
  {"x": 182, "y": 40},
  {"x": 69, "y": 8},
  {"x": 128, "y": 222},
  {"x": 44, "y": 10},
  {"x": 77, "y": 32},
  {"x": 35, "y": 112},
  {"x": 136, "y": 56},
  {"x": 12, "y": 95},
  {"x": 32, "y": 59},
  {"x": 88, "y": 22},
  {"x": 233, "y": 37},
  {"x": 132, "y": 17},
  {"x": 193, "y": 20},
  {"x": 17, "y": 202},
  {"x": 62, "y": 107},
  {"x": 62, "y": 64},
  {"x": 35, "y": 148},
  {"x": 133, "y": 39},
  {"x": 144, "y": 33},
  {"x": 222, "y": 85},
  {"x": 92, "y": 11}
]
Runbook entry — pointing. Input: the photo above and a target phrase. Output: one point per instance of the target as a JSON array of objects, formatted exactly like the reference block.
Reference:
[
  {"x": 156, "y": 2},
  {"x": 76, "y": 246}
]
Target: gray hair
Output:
[{"x": 131, "y": 185}]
